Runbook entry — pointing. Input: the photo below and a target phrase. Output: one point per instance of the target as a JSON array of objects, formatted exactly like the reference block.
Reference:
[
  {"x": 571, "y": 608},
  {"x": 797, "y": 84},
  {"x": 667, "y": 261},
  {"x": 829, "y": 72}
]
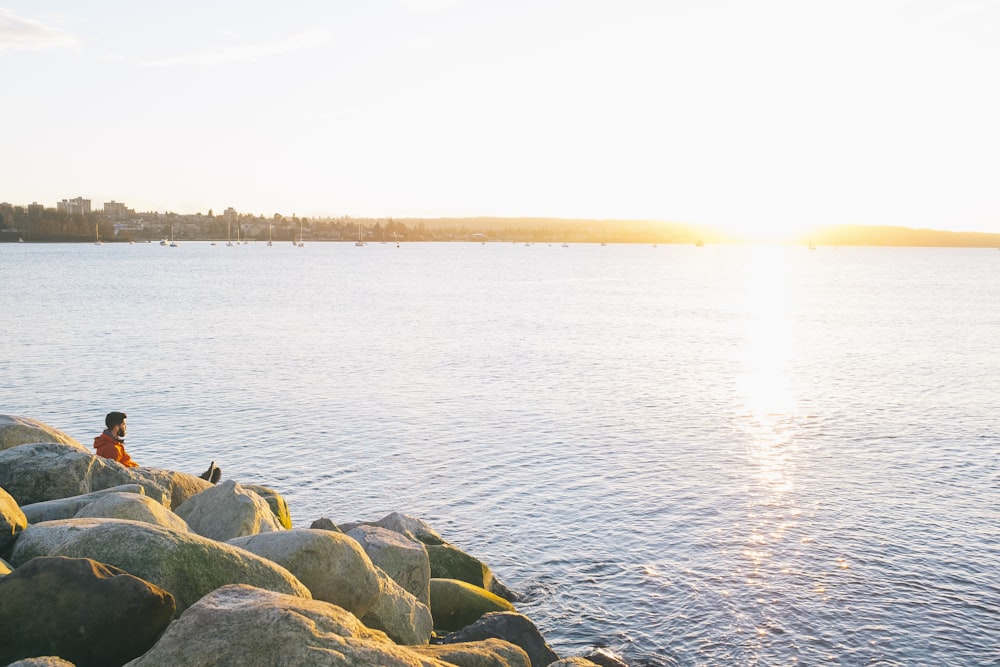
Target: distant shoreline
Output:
[{"x": 55, "y": 227}]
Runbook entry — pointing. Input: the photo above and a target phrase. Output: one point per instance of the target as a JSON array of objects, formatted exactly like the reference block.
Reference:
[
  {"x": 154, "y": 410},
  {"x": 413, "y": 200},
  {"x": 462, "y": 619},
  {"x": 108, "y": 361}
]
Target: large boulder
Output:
[
  {"x": 512, "y": 627},
  {"x": 402, "y": 558},
  {"x": 249, "y": 627},
  {"x": 456, "y": 604},
  {"x": 415, "y": 529},
  {"x": 185, "y": 564},
  {"x": 332, "y": 566},
  {"x": 16, "y": 431},
  {"x": 398, "y": 614},
  {"x": 43, "y": 661},
  {"x": 80, "y": 610},
  {"x": 37, "y": 472},
  {"x": 132, "y": 506},
  {"x": 603, "y": 657},
  {"x": 486, "y": 653},
  {"x": 275, "y": 501},
  {"x": 12, "y": 521},
  {"x": 573, "y": 662},
  {"x": 67, "y": 508},
  {"x": 226, "y": 510},
  {"x": 450, "y": 562}
]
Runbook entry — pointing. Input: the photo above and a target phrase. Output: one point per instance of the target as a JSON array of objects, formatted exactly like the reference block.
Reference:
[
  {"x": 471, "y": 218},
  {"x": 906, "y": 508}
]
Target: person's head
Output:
[{"x": 115, "y": 421}]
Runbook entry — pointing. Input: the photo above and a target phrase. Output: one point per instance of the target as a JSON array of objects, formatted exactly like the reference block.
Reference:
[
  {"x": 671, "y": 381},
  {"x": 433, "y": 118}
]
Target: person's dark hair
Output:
[{"x": 114, "y": 419}]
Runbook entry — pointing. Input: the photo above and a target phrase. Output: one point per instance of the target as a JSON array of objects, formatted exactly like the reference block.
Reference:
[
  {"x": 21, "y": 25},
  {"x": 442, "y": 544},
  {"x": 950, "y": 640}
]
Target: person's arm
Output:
[{"x": 124, "y": 458}]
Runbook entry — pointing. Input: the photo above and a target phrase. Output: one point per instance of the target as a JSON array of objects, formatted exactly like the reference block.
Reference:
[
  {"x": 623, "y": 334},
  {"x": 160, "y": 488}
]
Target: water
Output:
[{"x": 693, "y": 456}]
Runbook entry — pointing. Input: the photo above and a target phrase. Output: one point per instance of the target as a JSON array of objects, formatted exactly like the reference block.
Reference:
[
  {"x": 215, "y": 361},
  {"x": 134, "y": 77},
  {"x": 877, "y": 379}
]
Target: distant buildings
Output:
[
  {"x": 116, "y": 210},
  {"x": 74, "y": 206}
]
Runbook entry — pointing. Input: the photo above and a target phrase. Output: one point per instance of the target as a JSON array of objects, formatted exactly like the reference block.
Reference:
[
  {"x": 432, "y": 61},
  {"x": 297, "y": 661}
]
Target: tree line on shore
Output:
[{"x": 35, "y": 224}]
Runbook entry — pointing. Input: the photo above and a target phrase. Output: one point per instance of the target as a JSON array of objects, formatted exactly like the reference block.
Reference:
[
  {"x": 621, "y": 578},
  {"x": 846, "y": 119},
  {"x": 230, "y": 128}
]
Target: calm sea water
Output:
[{"x": 693, "y": 456}]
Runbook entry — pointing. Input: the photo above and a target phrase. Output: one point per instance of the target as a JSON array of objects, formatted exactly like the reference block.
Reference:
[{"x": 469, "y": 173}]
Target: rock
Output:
[
  {"x": 67, "y": 508},
  {"x": 249, "y": 627},
  {"x": 447, "y": 561},
  {"x": 602, "y": 657},
  {"x": 512, "y": 627},
  {"x": 132, "y": 506},
  {"x": 456, "y": 604},
  {"x": 332, "y": 566},
  {"x": 573, "y": 662},
  {"x": 399, "y": 614},
  {"x": 410, "y": 526},
  {"x": 12, "y": 521},
  {"x": 34, "y": 473},
  {"x": 486, "y": 653},
  {"x": 80, "y": 610},
  {"x": 185, "y": 564},
  {"x": 225, "y": 510},
  {"x": 179, "y": 486},
  {"x": 5, "y": 568},
  {"x": 275, "y": 501},
  {"x": 450, "y": 562},
  {"x": 16, "y": 431},
  {"x": 402, "y": 558},
  {"x": 44, "y": 661},
  {"x": 325, "y": 524}
]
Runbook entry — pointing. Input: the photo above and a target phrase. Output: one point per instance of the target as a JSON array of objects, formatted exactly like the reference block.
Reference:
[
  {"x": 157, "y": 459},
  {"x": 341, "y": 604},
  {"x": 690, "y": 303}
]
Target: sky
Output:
[{"x": 762, "y": 117}]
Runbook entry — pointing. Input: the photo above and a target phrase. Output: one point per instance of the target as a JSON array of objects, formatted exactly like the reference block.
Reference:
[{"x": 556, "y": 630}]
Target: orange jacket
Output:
[{"x": 111, "y": 448}]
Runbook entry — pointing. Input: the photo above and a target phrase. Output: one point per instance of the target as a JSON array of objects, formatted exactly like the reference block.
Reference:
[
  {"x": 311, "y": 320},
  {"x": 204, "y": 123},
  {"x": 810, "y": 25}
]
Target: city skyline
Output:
[{"x": 764, "y": 119}]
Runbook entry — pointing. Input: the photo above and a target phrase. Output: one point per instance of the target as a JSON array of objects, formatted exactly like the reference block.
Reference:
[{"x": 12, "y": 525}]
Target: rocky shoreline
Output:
[{"x": 106, "y": 565}]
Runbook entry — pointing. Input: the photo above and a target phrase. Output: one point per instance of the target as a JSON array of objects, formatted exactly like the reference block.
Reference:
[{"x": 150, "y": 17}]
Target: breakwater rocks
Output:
[{"x": 106, "y": 565}]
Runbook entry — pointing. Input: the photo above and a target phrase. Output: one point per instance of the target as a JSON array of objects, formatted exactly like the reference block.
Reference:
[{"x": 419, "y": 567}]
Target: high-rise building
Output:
[
  {"x": 115, "y": 209},
  {"x": 73, "y": 206}
]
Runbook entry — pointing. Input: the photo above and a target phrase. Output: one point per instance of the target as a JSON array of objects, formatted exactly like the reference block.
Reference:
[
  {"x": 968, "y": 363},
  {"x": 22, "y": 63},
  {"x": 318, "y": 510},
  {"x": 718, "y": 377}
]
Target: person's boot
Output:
[{"x": 207, "y": 475}]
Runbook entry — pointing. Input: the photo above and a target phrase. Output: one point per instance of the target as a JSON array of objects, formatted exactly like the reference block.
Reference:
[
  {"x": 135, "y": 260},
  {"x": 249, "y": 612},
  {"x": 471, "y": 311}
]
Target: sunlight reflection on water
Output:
[{"x": 693, "y": 455}]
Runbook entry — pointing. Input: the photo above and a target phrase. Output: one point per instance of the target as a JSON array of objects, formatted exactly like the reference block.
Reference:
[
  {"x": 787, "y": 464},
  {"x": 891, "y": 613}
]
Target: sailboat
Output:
[
  {"x": 269, "y": 233},
  {"x": 97, "y": 233},
  {"x": 359, "y": 242},
  {"x": 300, "y": 243},
  {"x": 173, "y": 243},
  {"x": 229, "y": 234}
]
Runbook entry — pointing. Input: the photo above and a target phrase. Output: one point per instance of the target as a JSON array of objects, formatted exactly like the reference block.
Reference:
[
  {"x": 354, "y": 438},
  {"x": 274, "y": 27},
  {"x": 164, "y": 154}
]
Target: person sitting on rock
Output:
[{"x": 111, "y": 445}]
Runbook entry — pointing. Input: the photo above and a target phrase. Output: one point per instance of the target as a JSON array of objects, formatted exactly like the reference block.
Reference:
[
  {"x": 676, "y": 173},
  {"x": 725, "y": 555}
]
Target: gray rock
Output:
[
  {"x": 16, "y": 431},
  {"x": 602, "y": 657},
  {"x": 185, "y": 564},
  {"x": 12, "y": 521},
  {"x": 274, "y": 500},
  {"x": 67, "y": 508},
  {"x": 512, "y": 627},
  {"x": 399, "y": 614},
  {"x": 34, "y": 473},
  {"x": 450, "y": 562},
  {"x": 573, "y": 662},
  {"x": 81, "y": 610},
  {"x": 132, "y": 506},
  {"x": 325, "y": 524},
  {"x": 402, "y": 558},
  {"x": 249, "y": 627},
  {"x": 332, "y": 566},
  {"x": 486, "y": 653},
  {"x": 456, "y": 604},
  {"x": 447, "y": 560},
  {"x": 412, "y": 527},
  {"x": 226, "y": 510}
]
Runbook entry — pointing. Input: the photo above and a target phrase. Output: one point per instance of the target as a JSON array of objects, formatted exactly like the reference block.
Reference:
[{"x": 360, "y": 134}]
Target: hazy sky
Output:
[{"x": 759, "y": 115}]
